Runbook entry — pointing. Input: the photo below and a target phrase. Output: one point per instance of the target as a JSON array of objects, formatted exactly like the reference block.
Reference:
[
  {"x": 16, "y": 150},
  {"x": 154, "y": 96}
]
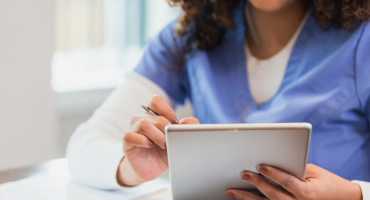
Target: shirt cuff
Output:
[
  {"x": 365, "y": 188},
  {"x": 96, "y": 165}
]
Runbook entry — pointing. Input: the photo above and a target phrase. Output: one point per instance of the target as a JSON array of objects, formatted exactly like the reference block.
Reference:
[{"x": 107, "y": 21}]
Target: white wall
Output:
[
  {"x": 27, "y": 122},
  {"x": 74, "y": 108}
]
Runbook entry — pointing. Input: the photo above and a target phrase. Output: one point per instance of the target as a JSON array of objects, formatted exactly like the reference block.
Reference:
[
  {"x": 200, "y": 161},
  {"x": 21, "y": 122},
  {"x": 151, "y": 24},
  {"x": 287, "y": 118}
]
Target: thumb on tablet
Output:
[{"x": 189, "y": 120}]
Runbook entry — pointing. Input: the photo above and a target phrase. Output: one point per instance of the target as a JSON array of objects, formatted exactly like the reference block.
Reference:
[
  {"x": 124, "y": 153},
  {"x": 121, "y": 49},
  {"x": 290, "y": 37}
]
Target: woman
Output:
[{"x": 244, "y": 61}]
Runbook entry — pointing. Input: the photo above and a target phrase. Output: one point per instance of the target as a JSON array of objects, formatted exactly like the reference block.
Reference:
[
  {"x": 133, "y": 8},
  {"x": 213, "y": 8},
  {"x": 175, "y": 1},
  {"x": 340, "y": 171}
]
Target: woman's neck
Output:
[{"x": 269, "y": 31}]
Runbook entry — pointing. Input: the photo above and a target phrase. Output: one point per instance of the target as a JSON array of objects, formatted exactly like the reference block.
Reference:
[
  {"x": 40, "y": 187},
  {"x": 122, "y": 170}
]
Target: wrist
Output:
[
  {"x": 355, "y": 191},
  {"x": 126, "y": 176}
]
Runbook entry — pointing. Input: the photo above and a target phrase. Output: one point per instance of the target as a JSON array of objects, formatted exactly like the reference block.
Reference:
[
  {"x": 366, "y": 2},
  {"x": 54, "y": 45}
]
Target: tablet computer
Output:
[{"x": 207, "y": 159}]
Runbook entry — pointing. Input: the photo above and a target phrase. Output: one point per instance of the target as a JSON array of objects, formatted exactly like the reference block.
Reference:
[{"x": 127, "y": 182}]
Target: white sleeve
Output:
[
  {"x": 95, "y": 150},
  {"x": 365, "y": 188}
]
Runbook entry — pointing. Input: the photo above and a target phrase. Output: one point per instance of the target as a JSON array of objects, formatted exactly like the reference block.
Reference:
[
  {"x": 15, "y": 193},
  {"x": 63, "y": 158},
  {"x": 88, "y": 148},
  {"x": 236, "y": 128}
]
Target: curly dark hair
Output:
[{"x": 204, "y": 22}]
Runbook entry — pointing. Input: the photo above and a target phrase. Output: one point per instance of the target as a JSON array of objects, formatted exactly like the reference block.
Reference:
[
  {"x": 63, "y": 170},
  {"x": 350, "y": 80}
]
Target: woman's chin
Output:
[{"x": 270, "y": 5}]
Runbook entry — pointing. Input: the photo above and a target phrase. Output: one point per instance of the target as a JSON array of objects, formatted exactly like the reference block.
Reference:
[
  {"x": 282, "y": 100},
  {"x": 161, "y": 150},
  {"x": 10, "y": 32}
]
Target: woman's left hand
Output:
[{"x": 319, "y": 184}]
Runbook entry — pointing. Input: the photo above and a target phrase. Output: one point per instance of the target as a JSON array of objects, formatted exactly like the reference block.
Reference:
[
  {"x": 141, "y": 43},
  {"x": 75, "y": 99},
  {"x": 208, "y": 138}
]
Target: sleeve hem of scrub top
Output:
[{"x": 150, "y": 85}]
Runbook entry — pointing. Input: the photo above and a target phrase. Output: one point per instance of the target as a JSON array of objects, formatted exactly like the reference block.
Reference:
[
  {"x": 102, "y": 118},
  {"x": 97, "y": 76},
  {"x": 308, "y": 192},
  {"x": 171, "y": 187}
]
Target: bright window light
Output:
[{"x": 97, "y": 40}]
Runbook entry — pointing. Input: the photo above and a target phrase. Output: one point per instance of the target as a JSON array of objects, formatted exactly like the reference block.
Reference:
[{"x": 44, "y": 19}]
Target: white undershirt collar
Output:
[{"x": 266, "y": 75}]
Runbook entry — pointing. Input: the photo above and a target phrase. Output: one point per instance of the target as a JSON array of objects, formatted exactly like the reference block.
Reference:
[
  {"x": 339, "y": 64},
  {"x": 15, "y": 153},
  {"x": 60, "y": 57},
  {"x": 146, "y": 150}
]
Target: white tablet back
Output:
[{"x": 205, "y": 160}]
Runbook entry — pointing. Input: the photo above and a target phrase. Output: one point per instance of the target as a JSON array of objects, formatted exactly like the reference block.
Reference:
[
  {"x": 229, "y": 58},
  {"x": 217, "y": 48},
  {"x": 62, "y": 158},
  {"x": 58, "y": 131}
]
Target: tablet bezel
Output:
[{"x": 304, "y": 128}]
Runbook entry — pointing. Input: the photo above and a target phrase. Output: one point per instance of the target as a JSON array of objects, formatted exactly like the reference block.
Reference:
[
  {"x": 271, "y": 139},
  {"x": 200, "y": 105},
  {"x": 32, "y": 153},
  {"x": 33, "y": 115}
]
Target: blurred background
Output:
[{"x": 59, "y": 60}]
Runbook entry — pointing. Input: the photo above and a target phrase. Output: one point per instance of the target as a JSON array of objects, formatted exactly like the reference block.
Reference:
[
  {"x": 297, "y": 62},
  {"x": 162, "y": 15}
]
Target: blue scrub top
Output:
[{"x": 326, "y": 83}]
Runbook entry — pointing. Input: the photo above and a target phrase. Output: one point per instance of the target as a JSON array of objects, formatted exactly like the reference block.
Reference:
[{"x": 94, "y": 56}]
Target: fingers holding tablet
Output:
[
  {"x": 270, "y": 190},
  {"x": 293, "y": 187},
  {"x": 239, "y": 194},
  {"x": 285, "y": 180}
]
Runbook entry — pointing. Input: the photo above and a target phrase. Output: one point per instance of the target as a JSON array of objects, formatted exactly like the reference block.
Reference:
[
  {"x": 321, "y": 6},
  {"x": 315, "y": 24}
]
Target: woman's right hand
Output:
[{"x": 145, "y": 144}]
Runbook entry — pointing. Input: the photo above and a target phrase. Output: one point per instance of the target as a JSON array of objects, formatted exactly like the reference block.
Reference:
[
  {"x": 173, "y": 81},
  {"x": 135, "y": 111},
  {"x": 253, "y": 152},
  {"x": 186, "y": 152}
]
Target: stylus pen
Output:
[{"x": 149, "y": 110}]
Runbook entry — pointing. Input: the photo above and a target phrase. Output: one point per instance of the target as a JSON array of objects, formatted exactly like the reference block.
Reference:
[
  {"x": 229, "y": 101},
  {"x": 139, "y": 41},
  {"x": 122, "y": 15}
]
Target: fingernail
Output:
[
  {"x": 246, "y": 177},
  {"x": 165, "y": 145},
  {"x": 175, "y": 120},
  {"x": 263, "y": 170},
  {"x": 230, "y": 194}
]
